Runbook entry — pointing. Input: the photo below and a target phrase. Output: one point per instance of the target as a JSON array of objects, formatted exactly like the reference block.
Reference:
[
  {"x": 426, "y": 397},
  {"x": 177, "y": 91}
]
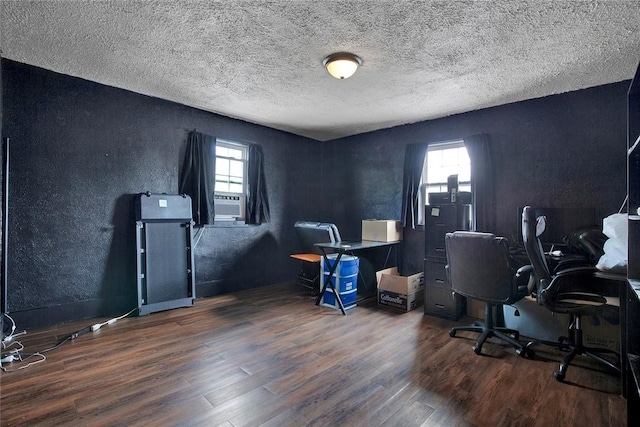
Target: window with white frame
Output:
[
  {"x": 441, "y": 161},
  {"x": 231, "y": 180}
]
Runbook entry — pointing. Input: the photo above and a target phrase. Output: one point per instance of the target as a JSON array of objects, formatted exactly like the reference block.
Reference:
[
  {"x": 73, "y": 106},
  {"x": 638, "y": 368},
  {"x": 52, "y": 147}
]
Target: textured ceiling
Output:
[{"x": 261, "y": 61}]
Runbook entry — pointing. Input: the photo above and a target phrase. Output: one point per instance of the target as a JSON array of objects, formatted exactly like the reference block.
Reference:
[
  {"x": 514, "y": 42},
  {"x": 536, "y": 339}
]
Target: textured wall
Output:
[
  {"x": 560, "y": 151},
  {"x": 81, "y": 151}
]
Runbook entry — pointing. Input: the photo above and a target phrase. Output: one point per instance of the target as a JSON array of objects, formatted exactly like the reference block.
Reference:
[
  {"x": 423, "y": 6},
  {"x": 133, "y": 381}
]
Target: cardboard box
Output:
[
  {"x": 400, "y": 292},
  {"x": 537, "y": 322},
  {"x": 401, "y": 302},
  {"x": 381, "y": 230},
  {"x": 475, "y": 308},
  {"x": 604, "y": 335}
]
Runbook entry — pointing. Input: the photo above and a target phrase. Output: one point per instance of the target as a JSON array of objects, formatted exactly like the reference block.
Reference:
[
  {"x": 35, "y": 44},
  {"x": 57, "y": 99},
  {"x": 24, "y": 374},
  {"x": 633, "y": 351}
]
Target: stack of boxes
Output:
[{"x": 393, "y": 290}]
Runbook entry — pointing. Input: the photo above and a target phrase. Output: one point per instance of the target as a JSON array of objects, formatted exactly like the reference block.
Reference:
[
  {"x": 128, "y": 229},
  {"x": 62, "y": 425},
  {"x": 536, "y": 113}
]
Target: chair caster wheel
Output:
[
  {"x": 529, "y": 353},
  {"x": 520, "y": 352},
  {"x": 477, "y": 349},
  {"x": 558, "y": 376},
  {"x": 516, "y": 336},
  {"x": 452, "y": 332}
]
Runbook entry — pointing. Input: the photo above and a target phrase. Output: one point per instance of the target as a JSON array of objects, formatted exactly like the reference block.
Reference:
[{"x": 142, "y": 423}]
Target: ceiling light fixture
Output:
[{"x": 342, "y": 65}]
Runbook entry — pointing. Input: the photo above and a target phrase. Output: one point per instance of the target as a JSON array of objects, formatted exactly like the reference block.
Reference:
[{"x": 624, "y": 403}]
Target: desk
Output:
[
  {"x": 340, "y": 248},
  {"x": 621, "y": 281},
  {"x": 630, "y": 310}
]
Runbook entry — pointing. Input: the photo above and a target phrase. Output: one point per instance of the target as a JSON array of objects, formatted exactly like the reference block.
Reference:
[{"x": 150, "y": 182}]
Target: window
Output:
[
  {"x": 443, "y": 160},
  {"x": 231, "y": 167},
  {"x": 231, "y": 180}
]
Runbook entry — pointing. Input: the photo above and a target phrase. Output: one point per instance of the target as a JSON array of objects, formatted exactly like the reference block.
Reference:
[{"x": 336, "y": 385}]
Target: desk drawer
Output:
[
  {"x": 440, "y": 220},
  {"x": 444, "y": 303},
  {"x": 435, "y": 274}
]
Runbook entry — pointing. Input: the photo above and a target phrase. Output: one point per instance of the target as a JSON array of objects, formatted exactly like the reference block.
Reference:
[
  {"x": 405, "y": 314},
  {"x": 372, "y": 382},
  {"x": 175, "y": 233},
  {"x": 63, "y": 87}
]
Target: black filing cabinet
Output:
[{"x": 439, "y": 300}]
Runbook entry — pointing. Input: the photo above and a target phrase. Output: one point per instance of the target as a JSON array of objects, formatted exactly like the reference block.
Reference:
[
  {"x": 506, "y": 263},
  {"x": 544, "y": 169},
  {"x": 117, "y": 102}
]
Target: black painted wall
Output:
[
  {"x": 560, "y": 151},
  {"x": 81, "y": 151}
]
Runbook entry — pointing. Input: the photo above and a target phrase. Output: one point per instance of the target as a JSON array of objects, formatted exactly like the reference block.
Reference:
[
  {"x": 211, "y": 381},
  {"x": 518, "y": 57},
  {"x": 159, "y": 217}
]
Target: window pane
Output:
[
  {"x": 231, "y": 166},
  {"x": 222, "y": 167},
  {"x": 235, "y": 153},
  {"x": 442, "y": 162},
  {"x": 236, "y": 168},
  {"x": 222, "y": 183},
  {"x": 436, "y": 174},
  {"x": 450, "y": 157},
  {"x": 235, "y": 188}
]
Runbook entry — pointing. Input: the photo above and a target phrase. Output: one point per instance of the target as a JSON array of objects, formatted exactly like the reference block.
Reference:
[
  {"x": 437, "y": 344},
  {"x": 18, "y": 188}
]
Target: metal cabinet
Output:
[{"x": 439, "y": 299}]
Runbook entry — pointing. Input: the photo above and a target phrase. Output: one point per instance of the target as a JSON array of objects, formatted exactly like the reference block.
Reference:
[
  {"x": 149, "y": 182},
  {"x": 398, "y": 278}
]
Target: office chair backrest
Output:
[
  {"x": 309, "y": 233},
  {"x": 478, "y": 266},
  {"x": 533, "y": 247}
]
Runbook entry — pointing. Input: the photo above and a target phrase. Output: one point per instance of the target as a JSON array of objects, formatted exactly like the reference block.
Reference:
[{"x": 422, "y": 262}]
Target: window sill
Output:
[{"x": 228, "y": 224}]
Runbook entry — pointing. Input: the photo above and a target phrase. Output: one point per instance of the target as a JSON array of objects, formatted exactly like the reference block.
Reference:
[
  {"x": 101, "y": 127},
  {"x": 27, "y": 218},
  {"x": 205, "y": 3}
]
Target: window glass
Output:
[
  {"x": 231, "y": 167},
  {"x": 443, "y": 160},
  {"x": 231, "y": 180}
]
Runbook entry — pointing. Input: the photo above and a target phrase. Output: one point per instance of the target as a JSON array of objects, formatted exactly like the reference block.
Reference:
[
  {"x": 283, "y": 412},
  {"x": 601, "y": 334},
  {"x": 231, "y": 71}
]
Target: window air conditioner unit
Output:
[{"x": 229, "y": 206}]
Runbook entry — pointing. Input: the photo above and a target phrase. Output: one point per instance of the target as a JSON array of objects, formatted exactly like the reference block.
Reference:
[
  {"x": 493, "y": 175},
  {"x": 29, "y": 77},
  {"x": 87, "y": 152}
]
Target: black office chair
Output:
[
  {"x": 478, "y": 266},
  {"x": 575, "y": 291}
]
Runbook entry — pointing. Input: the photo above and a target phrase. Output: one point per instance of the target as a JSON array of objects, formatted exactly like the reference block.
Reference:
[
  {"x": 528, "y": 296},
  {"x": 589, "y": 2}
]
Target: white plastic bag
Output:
[
  {"x": 615, "y": 226},
  {"x": 615, "y": 248}
]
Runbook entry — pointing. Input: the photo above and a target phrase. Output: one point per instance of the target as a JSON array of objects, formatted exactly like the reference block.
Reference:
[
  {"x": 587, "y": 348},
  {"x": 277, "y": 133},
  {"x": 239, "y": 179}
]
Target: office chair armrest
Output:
[
  {"x": 524, "y": 270},
  {"x": 572, "y": 261},
  {"x": 526, "y": 273},
  {"x": 583, "y": 270},
  {"x": 570, "y": 279}
]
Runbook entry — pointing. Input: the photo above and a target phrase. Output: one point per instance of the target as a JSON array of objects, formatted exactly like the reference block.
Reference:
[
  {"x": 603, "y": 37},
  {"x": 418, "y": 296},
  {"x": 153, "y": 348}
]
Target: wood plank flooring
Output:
[{"x": 270, "y": 357}]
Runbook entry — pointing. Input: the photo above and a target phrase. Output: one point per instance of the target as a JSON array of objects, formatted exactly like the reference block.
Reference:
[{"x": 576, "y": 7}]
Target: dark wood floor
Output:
[{"x": 269, "y": 357}]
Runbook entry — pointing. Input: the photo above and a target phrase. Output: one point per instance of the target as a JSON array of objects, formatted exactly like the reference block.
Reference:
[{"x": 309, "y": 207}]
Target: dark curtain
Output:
[
  {"x": 198, "y": 176},
  {"x": 482, "y": 182},
  {"x": 413, "y": 163},
  {"x": 257, "y": 200}
]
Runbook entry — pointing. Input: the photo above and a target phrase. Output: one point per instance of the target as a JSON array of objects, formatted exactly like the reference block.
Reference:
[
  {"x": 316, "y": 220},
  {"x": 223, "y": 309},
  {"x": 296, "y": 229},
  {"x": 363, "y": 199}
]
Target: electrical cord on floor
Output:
[
  {"x": 6, "y": 340},
  {"x": 97, "y": 326},
  {"x": 17, "y": 354}
]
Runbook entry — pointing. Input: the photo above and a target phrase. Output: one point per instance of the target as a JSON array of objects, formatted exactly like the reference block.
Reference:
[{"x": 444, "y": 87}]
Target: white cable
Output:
[
  {"x": 9, "y": 337},
  {"x": 15, "y": 355},
  {"x": 111, "y": 321},
  {"x": 43, "y": 358}
]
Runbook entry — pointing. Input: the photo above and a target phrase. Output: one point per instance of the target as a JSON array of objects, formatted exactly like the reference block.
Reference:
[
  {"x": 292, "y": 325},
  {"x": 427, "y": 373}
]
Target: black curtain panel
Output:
[
  {"x": 482, "y": 182},
  {"x": 257, "y": 200},
  {"x": 413, "y": 163},
  {"x": 198, "y": 176}
]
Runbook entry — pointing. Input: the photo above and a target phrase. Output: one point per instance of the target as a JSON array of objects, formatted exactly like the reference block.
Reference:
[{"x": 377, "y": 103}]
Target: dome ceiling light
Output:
[{"x": 342, "y": 65}]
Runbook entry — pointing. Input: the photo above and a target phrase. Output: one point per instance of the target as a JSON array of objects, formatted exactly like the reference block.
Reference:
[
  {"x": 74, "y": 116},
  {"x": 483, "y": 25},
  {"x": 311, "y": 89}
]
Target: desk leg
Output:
[
  {"x": 329, "y": 281},
  {"x": 386, "y": 260}
]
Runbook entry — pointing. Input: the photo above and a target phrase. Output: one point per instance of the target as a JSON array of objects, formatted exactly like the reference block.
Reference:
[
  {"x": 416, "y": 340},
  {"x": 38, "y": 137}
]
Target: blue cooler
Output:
[{"x": 345, "y": 279}]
